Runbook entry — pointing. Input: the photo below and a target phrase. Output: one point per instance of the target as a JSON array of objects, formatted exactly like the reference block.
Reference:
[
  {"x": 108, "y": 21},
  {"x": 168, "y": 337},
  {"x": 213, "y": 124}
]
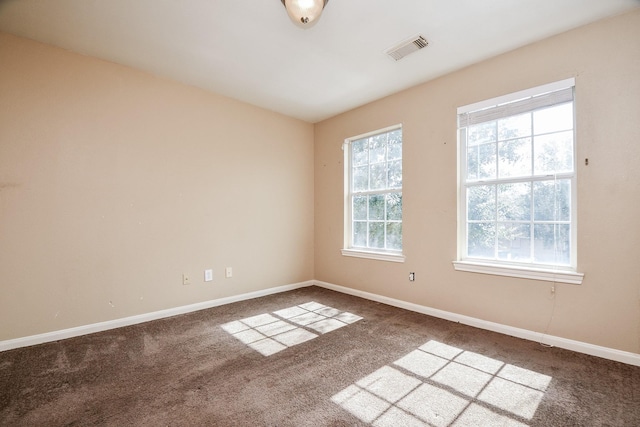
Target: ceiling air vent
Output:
[{"x": 406, "y": 47}]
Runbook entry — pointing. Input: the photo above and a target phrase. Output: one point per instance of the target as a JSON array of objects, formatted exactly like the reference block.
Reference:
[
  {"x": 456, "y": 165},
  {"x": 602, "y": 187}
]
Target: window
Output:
[
  {"x": 373, "y": 195},
  {"x": 518, "y": 185}
]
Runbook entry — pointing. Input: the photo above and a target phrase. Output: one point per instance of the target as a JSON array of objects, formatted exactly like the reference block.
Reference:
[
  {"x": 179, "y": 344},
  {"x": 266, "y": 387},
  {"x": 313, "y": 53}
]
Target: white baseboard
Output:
[
  {"x": 577, "y": 346},
  {"x": 141, "y": 318}
]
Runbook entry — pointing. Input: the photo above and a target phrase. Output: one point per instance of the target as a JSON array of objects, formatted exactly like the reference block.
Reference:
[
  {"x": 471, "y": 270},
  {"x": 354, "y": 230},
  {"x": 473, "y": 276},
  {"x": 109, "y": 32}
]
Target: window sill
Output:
[
  {"x": 557, "y": 276},
  {"x": 380, "y": 256}
]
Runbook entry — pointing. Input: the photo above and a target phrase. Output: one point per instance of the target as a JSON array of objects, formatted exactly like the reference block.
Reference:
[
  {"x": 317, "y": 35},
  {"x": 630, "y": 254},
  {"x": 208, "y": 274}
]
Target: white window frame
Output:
[
  {"x": 545, "y": 272},
  {"x": 348, "y": 248}
]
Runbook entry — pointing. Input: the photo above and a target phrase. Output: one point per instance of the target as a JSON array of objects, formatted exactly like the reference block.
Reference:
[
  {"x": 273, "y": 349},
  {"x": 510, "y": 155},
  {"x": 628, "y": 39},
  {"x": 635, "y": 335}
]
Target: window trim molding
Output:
[
  {"x": 347, "y": 249},
  {"x": 548, "y": 275},
  {"x": 380, "y": 256},
  {"x": 564, "y": 274}
]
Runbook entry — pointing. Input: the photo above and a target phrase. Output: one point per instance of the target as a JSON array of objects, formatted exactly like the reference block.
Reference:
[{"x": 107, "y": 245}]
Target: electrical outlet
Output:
[
  {"x": 185, "y": 279},
  {"x": 228, "y": 272},
  {"x": 412, "y": 277},
  {"x": 208, "y": 275}
]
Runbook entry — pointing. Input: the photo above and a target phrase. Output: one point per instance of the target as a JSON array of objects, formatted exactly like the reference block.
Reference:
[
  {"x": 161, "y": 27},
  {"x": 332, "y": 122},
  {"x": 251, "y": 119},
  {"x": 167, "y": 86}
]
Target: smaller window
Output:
[{"x": 373, "y": 195}]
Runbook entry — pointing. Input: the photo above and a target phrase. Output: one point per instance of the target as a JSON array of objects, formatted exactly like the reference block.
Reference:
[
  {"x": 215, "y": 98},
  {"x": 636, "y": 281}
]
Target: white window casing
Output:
[
  {"x": 517, "y": 205},
  {"x": 373, "y": 195}
]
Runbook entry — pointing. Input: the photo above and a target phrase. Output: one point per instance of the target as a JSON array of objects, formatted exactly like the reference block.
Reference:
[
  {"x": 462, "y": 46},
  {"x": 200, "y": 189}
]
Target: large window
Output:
[
  {"x": 373, "y": 195},
  {"x": 518, "y": 182}
]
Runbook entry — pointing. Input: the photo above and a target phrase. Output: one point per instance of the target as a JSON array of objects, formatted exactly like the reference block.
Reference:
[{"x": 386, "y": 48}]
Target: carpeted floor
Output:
[{"x": 311, "y": 357}]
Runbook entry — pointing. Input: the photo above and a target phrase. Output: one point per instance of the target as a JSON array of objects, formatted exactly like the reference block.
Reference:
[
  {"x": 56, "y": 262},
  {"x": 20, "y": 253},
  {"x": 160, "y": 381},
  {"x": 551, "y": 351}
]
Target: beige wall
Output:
[
  {"x": 114, "y": 182},
  {"x": 605, "y": 309}
]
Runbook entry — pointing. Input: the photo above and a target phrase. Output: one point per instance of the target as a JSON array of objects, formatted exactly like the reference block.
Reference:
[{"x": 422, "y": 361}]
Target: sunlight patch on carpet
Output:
[
  {"x": 440, "y": 385},
  {"x": 271, "y": 333}
]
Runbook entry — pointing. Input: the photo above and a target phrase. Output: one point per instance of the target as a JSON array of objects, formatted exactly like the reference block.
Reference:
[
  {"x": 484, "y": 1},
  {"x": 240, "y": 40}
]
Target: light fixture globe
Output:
[{"x": 304, "y": 13}]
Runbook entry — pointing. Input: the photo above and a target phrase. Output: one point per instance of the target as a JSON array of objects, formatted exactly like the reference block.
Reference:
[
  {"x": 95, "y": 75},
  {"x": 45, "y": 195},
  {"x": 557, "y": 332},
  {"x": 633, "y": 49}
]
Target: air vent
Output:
[{"x": 406, "y": 47}]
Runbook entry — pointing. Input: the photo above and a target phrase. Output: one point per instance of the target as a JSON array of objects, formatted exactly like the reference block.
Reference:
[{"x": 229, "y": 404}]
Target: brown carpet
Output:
[{"x": 280, "y": 361}]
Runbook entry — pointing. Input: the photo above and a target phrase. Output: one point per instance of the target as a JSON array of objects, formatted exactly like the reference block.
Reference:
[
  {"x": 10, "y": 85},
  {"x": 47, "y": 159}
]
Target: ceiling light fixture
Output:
[{"x": 304, "y": 13}]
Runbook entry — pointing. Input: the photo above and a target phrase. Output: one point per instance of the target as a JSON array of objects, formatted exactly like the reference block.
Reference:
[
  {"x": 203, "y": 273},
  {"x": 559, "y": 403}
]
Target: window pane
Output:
[
  {"x": 487, "y": 161},
  {"x": 553, "y": 153},
  {"x": 481, "y": 240},
  {"x": 376, "y": 207},
  {"x": 481, "y": 201},
  {"x": 378, "y": 176},
  {"x": 484, "y": 132},
  {"x": 514, "y": 202},
  {"x": 394, "y": 206},
  {"x": 394, "y": 150},
  {"x": 473, "y": 162},
  {"x": 552, "y": 243},
  {"x": 514, "y": 242},
  {"x": 553, "y": 119},
  {"x": 360, "y": 152},
  {"x": 514, "y": 158},
  {"x": 394, "y": 235},
  {"x": 360, "y": 208},
  {"x": 552, "y": 200},
  {"x": 563, "y": 243},
  {"x": 395, "y": 174},
  {"x": 361, "y": 178},
  {"x": 376, "y": 235},
  {"x": 514, "y": 126},
  {"x": 481, "y": 162},
  {"x": 378, "y": 150},
  {"x": 360, "y": 234}
]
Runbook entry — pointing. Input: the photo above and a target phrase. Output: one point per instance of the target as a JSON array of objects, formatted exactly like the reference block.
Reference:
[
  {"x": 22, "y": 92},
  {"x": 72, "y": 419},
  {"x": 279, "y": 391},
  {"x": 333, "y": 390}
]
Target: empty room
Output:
[{"x": 319, "y": 213}]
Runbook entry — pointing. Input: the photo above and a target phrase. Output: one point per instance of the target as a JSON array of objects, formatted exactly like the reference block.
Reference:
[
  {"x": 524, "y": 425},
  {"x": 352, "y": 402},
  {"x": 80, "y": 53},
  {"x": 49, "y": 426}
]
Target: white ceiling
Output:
[{"x": 251, "y": 51}]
